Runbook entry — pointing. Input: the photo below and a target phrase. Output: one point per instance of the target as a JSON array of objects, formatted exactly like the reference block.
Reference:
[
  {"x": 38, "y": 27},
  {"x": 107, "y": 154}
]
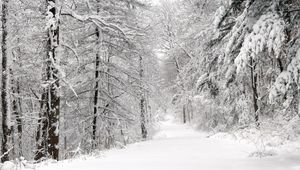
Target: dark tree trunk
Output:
[
  {"x": 143, "y": 119},
  {"x": 96, "y": 98},
  {"x": 142, "y": 101},
  {"x": 280, "y": 65},
  {"x": 5, "y": 89},
  {"x": 254, "y": 92},
  {"x": 53, "y": 98},
  {"x": 184, "y": 113},
  {"x": 48, "y": 134},
  {"x": 96, "y": 93},
  {"x": 97, "y": 76}
]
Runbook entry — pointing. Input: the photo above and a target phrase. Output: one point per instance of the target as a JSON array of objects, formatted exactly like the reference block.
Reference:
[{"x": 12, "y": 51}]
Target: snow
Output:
[
  {"x": 294, "y": 67},
  {"x": 286, "y": 78},
  {"x": 8, "y": 165},
  {"x": 179, "y": 147},
  {"x": 268, "y": 33},
  {"x": 220, "y": 13},
  {"x": 281, "y": 85},
  {"x": 237, "y": 34}
]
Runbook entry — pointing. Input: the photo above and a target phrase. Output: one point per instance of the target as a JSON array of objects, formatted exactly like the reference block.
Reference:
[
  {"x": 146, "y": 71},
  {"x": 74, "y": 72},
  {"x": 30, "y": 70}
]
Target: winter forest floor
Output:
[{"x": 178, "y": 147}]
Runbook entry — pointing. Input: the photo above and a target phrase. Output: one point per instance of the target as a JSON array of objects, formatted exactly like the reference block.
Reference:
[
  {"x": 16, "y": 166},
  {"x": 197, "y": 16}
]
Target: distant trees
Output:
[
  {"x": 172, "y": 31},
  {"x": 241, "y": 57}
]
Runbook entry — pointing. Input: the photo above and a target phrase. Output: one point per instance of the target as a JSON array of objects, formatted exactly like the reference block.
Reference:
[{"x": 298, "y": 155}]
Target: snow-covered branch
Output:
[{"x": 96, "y": 19}]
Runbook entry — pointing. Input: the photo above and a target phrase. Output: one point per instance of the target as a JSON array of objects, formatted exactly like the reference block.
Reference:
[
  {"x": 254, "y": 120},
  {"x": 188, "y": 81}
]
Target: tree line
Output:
[
  {"x": 236, "y": 62},
  {"x": 77, "y": 76}
]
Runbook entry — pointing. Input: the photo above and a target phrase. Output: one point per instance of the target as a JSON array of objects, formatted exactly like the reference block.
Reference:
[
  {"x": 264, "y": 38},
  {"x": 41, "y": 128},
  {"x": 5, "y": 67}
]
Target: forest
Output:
[{"x": 80, "y": 77}]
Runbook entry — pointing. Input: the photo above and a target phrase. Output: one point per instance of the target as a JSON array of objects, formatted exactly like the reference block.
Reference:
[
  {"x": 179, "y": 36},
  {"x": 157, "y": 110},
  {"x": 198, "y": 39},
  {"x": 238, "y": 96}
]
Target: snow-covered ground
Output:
[{"x": 178, "y": 147}]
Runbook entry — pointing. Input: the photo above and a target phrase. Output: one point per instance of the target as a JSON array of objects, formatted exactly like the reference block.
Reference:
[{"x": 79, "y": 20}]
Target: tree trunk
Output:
[
  {"x": 143, "y": 118},
  {"x": 96, "y": 93},
  {"x": 254, "y": 92},
  {"x": 184, "y": 113},
  {"x": 97, "y": 61},
  {"x": 142, "y": 101},
  {"x": 6, "y": 125},
  {"x": 53, "y": 98},
  {"x": 50, "y": 105},
  {"x": 97, "y": 76}
]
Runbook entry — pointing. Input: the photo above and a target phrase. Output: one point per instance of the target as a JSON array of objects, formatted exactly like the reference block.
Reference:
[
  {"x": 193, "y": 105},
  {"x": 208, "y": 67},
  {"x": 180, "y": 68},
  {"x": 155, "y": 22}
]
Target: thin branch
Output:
[{"x": 6, "y": 153}]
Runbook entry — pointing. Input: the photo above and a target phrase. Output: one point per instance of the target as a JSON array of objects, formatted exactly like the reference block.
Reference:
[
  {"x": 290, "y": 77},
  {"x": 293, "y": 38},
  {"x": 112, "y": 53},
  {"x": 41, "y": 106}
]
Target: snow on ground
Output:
[{"x": 178, "y": 147}]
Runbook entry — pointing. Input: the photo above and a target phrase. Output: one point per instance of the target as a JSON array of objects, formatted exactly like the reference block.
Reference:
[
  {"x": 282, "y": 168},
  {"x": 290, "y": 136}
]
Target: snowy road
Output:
[{"x": 177, "y": 147}]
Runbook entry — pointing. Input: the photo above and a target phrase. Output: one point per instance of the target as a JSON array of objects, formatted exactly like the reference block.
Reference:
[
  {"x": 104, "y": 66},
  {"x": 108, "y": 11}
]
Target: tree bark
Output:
[
  {"x": 254, "y": 91},
  {"x": 97, "y": 76},
  {"x": 6, "y": 127},
  {"x": 53, "y": 98},
  {"x": 184, "y": 113},
  {"x": 50, "y": 104},
  {"x": 96, "y": 93}
]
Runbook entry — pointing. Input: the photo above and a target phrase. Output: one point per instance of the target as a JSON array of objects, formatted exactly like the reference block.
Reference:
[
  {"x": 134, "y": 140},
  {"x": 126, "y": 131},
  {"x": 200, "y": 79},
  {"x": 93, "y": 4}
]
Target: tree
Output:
[
  {"x": 88, "y": 80},
  {"x": 50, "y": 105},
  {"x": 172, "y": 33},
  {"x": 142, "y": 100},
  {"x": 5, "y": 99},
  {"x": 97, "y": 77},
  {"x": 238, "y": 59}
]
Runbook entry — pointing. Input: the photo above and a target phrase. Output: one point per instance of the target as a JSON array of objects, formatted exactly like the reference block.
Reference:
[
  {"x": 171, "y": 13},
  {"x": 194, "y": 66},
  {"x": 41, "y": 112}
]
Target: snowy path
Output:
[{"x": 177, "y": 147}]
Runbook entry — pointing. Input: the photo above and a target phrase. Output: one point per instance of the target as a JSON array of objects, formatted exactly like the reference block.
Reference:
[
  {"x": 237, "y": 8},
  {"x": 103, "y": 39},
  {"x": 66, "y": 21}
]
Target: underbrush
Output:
[{"x": 272, "y": 137}]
